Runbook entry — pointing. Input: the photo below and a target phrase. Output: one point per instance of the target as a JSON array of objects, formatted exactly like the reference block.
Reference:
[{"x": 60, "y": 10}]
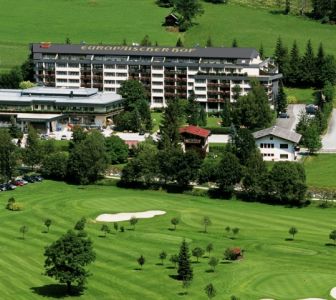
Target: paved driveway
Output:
[
  {"x": 294, "y": 111},
  {"x": 329, "y": 139}
]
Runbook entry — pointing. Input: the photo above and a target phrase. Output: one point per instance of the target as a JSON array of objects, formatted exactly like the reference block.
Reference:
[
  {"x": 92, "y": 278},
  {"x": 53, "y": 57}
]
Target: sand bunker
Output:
[
  {"x": 313, "y": 299},
  {"x": 333, "y": 293},
  {"x": 127, "y": 216}
]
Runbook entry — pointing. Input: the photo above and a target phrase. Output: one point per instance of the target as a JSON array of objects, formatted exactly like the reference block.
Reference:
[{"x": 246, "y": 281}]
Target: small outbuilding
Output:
[
  {"x": 195, "y": 138},
  {"x": 277, "y": 143},
  {"x": 171, "y": 20}
]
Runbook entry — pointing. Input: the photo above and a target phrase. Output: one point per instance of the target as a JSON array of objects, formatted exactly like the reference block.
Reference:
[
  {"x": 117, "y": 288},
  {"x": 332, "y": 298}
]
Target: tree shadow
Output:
[
  {"x": 289, "y": 239},
  {"x": 277, "y": 12},
  {"x": 175, "y": 277},
  {"x": 102, "y": 236},
  {"x": 225, "y": 262},
  {"x": 159, "y": 264},
  {"x": 171, "y": 229},
  {"x": 330, "y": 245},
  {"x": 182, "y": 293},
  {"x": 56, "y": 291},
  {"x": 137, "y": 269},
  {"x": 44, "y": 231},
  {"x": 170, "y": 268},
  {"x": 209, "y": 271}
]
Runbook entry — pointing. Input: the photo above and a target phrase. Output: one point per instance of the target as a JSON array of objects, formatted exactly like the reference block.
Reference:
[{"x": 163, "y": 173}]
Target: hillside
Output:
[{"x": 105, "y": 21}]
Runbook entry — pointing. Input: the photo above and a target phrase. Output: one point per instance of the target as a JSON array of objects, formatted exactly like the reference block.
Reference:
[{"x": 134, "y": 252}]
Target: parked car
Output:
[
  {"x": 17, "y": 183},
  {"x": 64, "y": 137},
  {"x": 283, "y": 115},
  {"x": 10, "y": 187},
  {"x": 29, "y": 179},
  {"x": 3, "y": 187},
  {"x": 37, "y": 178},
  {"x": 311, "y": 109}
]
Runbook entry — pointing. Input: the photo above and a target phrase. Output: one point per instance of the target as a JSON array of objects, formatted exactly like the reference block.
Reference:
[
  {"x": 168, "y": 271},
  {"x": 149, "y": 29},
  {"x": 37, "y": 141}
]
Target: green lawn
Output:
[
  {"x": 156, "y": 119},
  {"x": 298, "y": 96},
  {"x": 214, "y": 122},
  {"x": 321, "y": 170},
  {"x": 272, "y": 267},
  {"x": 105, "y": 21}
]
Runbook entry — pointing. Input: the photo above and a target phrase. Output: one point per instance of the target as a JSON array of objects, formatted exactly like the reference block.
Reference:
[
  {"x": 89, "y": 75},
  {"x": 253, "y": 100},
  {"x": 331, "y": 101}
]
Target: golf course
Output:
[{"x": 273, "y": 265}]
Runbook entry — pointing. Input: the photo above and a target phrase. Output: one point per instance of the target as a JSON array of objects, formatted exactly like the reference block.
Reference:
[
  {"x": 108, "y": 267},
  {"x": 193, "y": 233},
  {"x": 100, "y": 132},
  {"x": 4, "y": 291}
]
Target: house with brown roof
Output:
[{"x": 195, "y": 138}]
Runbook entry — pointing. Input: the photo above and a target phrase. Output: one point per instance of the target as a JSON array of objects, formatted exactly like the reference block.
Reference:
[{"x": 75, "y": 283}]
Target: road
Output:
[
  {"x": 329, "y": 139},
  {"x": 294, "y": 111}
]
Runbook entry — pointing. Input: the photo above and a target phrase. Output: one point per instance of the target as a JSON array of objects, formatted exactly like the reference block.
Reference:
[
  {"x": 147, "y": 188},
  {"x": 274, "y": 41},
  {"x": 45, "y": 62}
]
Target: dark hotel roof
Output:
[{"x": 86, "y": 49}]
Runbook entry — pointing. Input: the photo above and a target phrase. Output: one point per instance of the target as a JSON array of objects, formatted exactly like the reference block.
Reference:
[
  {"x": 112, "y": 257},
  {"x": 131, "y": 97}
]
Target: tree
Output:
[
  {"x": 286, "y": 183},
  {"x": 174, "y": 259},
  {"x": 187, "y": 10},
  {"x": 179, "y": 43},
  {"x": 105, "y": 229},
  {"x": 209, "y": 42},
  {"x": 26, "y": 85},
  {"x": 165, "y": 3},
  {"x": 28, "y": 69},
  {"x": 293, "y": 231},
  {"x": 54, "y": 165},
  {"x": 287, "y": 7},
  {"x": 171, "y": 122},
  {"x": 67, "y": 258},
  {"x": 47, "y": 224},
  {"x": 332, "y": 236},
  {"x": 226, "y": 114},
  {"x": 210, "y": 291},
  {"x": 133, "y": 221},
  {"x": 162, "y": 256},
  {"x": 262, "y": 51},
  {"x": 175, "y": 221},
  {"x": 141, "y": 261},
  {"x": 294, "y": 71},
  {"x": 213, "y": 262},
  {"x": 14, "y": 131},
  {"x": 186, "y": 284},
  {"x": 281, "y": 100},
  {"x": 228, "y": 173},
  {"x": 197, "y": 252},
  {"x": 206, "y": 221},
  {"x": 202, "y": 117},
  {"x": 312, "y": 138},
  {"x": 329, "y": 92},
  {"x": 209, "y": 248},
  {"x": 146, "y": 41},
  {"x": 23, "y": 230},
  {"x": 8, "y": 155},
  {"x": 184, "y": 270},
  {"x": 308, "y": 66},
  {"x": 235, "y": 231},
  {"x": 132, "y": 91},
  {"x": 234, "y": 43},
  {"x": 116, "y": 149},
  {"x": 32, "y": 154},
  {"x": 115, "y": 226},
  {"x": 80, "y": 225},
  {"x": 67, "y": 40},
  {"x": 192, "y": 110},
  {"x": 253, "y": 110},
  {"x": 281, "y": 57},
  {"x": 243, "y": 145},
  {"x": 12, "y": 79},
  {"x": 227, "y": 229},
  {"x": 87, "y": 160}
]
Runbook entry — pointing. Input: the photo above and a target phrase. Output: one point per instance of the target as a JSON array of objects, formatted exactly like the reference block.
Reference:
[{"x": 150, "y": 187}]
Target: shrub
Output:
[{"x": 233, "y": 253}]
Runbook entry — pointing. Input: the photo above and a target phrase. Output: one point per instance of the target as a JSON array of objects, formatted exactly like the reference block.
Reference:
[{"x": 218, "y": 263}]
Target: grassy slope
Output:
[
  {"x": 320, "y": 170},
  {"x": 107, "y": 21},
  {"x": 272, "y": 268},
  {"x": 296, "y": 95}
]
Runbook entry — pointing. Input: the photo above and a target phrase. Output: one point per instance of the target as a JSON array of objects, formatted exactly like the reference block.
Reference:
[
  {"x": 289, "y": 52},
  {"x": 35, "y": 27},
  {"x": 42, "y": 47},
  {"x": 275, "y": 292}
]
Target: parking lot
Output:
[{"x": 293, "y": 111}]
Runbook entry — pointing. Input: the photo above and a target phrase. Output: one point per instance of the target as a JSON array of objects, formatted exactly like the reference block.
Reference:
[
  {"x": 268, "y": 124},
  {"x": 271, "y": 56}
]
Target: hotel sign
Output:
[{"x": 137, "y": 49}]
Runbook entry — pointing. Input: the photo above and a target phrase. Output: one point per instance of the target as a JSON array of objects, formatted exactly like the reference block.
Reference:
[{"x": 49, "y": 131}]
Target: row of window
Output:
[{"x": 282, "y": 156}]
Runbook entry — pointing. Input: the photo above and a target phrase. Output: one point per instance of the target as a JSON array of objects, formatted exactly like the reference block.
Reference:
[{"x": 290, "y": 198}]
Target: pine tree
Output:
[
  {"x": 209, "y": 42},
  {"x": 179, "y": 43},
  {"x": 320, "y": 66},
  {"x": 234, "y": 43},
  {"x": 226, "y": 114},
  {"x": 184, "y": 270},
  {"x": 202, "y": 118},
  {"x": 308, "y": 66},
  {"x": 281, "y": 57},
  {"x": 169, "y": 127},
  {"x": 287, "y": 7},
  {"x": 261, "y": 51},
  {"x": 294, "y": 72},
  {"x": 281, "y": 100}
]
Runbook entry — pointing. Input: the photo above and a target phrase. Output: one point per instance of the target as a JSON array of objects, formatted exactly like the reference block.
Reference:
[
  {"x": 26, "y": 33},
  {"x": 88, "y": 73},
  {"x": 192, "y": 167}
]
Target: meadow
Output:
[
  {"x": 272, "y": 267},
  {"x": 105, "y": 21}
]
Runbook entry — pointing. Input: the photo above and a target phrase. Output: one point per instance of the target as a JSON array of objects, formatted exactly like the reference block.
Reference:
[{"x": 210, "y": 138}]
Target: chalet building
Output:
[
  {"x": 195, "y": 138},
  {"x": 166, "y": 72},
  {"x": 277, "y": 144},
  {"x": 45, "y": 106},
  {"x": 171, "y": 20}
]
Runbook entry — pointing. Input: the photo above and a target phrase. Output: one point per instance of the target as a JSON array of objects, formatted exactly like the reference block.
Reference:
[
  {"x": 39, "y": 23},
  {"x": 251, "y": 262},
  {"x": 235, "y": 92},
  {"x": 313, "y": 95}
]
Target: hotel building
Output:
[{"x": 166, "y": 72}]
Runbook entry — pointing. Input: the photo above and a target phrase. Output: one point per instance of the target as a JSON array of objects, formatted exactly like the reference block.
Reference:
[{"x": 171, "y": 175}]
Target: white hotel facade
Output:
[{"x": 166, "y": 72}]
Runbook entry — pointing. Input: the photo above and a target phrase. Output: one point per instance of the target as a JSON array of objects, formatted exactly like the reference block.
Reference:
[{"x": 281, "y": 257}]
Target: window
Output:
[
  {"x": 61, "y": 73},
  {"x": 157, "y": 75},
  {"x": 283, "y": 146},
  {"x": 74, "y": 80},
  {"x": 158, "y": 100},
  {"x": 283, "y": 156},
  {"x": 121, "y": 67},
  {"x": 61, "y": 65},
  {"x": 157, "y": 91},
  {"x": 74, "y": 73},
  {"x": 72, "y": 65},
  {"x": 271, "y": 138}
]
